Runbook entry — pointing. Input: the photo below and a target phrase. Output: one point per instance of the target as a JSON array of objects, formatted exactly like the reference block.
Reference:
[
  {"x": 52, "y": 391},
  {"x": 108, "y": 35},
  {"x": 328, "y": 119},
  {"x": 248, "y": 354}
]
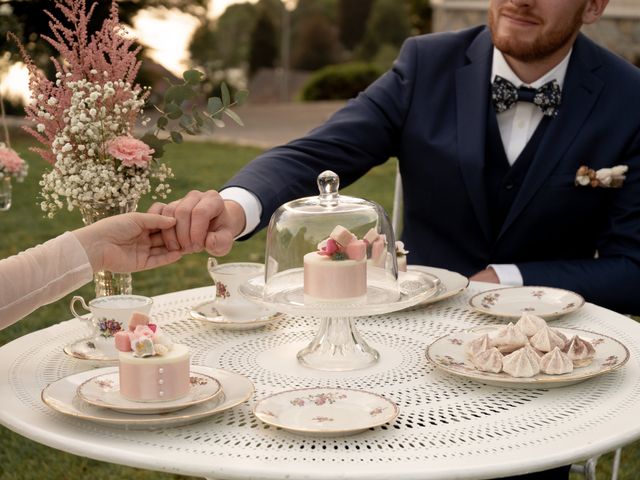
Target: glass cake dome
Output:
[
  {"x": 334, "y": 257},
  {"x": 304, "y": 226}
]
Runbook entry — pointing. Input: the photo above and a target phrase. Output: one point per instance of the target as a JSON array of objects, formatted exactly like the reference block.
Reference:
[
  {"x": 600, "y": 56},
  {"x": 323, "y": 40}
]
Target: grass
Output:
[{"x": 197, "y": 166}]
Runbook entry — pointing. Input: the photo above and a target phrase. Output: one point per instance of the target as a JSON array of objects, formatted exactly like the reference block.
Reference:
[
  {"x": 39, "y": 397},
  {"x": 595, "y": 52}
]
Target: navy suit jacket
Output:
[{"x": 430, "y": 111}]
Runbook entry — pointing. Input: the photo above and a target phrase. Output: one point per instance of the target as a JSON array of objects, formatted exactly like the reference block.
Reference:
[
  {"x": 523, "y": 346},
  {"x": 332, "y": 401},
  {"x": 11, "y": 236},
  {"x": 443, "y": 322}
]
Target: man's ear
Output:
[{"x": 593, "y": 11}]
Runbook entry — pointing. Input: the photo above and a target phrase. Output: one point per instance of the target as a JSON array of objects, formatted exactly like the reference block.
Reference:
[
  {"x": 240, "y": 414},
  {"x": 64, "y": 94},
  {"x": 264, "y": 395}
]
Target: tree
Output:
[
  {"x": 316, "y": 44},
  {"x": 263, "y": 52},
  {"x": 352, "y": 21},
  {"x": 235, "y": 26},
  {"x": 30, "y": 20},
  {"x": 420, "y": 16},
  {"x": 388, "y": 24}
]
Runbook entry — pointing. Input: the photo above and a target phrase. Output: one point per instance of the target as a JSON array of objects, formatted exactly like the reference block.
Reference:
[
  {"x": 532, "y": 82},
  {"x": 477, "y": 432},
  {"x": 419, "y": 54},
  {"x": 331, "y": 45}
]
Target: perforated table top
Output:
[{"x": 448, "y": 427}]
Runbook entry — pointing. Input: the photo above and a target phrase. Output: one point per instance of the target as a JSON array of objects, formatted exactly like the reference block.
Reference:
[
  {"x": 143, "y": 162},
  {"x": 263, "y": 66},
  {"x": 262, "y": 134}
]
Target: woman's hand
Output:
[{"x": 128, "y": 243}]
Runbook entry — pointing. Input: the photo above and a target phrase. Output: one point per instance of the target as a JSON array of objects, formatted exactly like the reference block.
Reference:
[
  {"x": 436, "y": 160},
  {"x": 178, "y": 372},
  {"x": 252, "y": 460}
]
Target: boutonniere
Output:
[{"x": 605, "y": 177}]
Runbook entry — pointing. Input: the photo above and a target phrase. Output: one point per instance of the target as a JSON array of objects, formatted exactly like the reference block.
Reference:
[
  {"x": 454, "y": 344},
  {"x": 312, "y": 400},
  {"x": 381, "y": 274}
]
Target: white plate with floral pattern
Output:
[
  {"x": 207, "y": 312},
  {"x": 449, "y": 354},
  {"x": 512, "y": 302},
  {"x": 325, "y": 411},
  {"x": 451, "y": 283},
  {"x": 104, "y": 391},
  {"x": 61, "y": 396},
  {"x": 92, "y": 351}
]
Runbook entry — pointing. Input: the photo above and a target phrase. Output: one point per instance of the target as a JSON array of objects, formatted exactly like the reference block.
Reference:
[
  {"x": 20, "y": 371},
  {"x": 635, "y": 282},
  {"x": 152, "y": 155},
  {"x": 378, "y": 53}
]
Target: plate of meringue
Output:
[{"x": 527, "y": 354}]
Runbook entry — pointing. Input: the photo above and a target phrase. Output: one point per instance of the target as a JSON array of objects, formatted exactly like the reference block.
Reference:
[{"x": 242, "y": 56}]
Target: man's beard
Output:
[{"x": 541, "y": 47}]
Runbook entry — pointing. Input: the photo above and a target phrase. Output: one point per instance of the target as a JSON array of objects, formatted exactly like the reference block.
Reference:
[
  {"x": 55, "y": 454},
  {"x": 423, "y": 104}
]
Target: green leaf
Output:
[
  {"x": 162, "y": 122},
  {"x": 186, "y": 121},
  {"x": 241, "y": 96},
  {"x": 226, "y": 98},
  {"x": 178, "y": 94},
  {"x": 156, "y": 143},
  {"x": 197, "y": 116},
  {"x": 209, "y": 123},
  {"x": 219, "y": 123},
  {"x": 234, "y": 116},
  {"x": 176, "y": 137},
  {"x": 173, "y": 111},
  {"x": 214, "y": 105},
  {"x": 193, "y": 77}
]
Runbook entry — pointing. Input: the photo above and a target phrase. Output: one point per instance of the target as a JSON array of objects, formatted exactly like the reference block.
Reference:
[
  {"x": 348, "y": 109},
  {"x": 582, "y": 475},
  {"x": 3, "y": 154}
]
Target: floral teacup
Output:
[
  {"x": 109, "y": 315},
  {"x": 229, "y": 302}
]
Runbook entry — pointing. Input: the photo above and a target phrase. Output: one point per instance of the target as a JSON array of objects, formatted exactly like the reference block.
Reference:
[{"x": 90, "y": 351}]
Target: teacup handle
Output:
[{"x": 75, "y": 299}]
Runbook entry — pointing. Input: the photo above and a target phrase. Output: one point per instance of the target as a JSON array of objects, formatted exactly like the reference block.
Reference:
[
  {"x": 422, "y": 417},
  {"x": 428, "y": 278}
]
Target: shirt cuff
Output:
[
  {"x": 249, "y": 203},
  {"x": 508, "y": 274}
]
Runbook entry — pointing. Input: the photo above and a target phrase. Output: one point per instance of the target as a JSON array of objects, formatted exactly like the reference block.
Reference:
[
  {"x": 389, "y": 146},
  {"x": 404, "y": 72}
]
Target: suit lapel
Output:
[
  {"x": 472, "y": 94},
  {"x": 579, "y": 94}
]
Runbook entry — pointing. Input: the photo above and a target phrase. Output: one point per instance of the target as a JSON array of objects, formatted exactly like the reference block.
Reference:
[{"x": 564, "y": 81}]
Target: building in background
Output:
[{"x": 618, "y": 30}]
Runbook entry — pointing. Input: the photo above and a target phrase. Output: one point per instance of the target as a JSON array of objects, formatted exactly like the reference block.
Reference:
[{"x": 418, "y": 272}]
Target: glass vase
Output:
[
  {"x": 5, "y": 193},
  {"x": 108, "y": 283}
]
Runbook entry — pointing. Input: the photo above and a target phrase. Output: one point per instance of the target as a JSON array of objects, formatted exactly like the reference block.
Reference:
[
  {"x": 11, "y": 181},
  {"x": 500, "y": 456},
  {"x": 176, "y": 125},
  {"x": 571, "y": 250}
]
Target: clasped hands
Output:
[{"x": 204, "y": 221}]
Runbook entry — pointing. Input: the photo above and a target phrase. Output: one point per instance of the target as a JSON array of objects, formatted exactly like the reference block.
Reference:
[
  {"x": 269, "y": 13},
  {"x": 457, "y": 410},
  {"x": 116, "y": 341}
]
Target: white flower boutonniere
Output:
[{"x": 612, "y": 177}]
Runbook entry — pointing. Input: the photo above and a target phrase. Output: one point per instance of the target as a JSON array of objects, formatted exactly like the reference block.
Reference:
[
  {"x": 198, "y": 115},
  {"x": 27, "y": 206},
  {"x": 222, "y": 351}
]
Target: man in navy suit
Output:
[{"x": 488, "y": 168}]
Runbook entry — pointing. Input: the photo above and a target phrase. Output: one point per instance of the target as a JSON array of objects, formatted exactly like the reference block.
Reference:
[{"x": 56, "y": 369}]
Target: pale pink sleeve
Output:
[{"x": 41, "y": 275}]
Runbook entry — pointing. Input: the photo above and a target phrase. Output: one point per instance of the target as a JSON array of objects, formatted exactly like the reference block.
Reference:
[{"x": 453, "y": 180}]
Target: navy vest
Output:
[{"x": 502, "y": 181}]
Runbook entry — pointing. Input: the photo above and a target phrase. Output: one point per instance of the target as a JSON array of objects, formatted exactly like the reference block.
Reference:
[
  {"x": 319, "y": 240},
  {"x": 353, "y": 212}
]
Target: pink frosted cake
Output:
[
  {"x": 338, "y": 270},
  {"x": 152, "y": 368}
]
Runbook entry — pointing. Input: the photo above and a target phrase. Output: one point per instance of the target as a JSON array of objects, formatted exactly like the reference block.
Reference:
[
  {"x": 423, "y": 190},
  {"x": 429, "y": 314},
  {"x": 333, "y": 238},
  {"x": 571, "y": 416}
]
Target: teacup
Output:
[
  {"x": 109, "y": 315},
  {"x": 229, "y": 302}
]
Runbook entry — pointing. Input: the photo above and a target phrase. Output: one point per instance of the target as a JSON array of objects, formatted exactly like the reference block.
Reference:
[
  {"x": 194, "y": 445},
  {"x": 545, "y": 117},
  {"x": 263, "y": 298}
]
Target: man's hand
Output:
[
  {"x": 487, "y": 275},
  {"x": 127, "y": 243},
  {"x": 204, "y": 221}
]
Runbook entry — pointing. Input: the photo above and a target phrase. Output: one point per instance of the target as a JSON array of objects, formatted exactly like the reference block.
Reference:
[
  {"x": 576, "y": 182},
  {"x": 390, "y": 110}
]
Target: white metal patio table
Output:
[{"x": 448, "y": 427}]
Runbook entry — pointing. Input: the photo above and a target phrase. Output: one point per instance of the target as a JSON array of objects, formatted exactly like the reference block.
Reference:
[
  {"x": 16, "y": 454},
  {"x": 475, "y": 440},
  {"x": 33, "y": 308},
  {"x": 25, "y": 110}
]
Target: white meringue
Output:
[
  {"x": 508, "y": 338},
  {"x": 529, "y": 324},
  {"x": 478, "y": 345},
  {"x": 546, "y": 339},
  {"x": 556, "y": 362},
  {"x": 521, "y": 363},
  {"x": 488, "y": 360},
  {"x": 580, "y": 351}
]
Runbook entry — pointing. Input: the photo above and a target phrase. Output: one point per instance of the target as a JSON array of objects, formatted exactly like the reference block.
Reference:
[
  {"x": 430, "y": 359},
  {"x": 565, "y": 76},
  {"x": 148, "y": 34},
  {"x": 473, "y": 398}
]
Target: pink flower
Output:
[
  {"x": 329, "y": 248},
  {"x": 10, "y": 161},
  {"x": 130, "y": 151}
]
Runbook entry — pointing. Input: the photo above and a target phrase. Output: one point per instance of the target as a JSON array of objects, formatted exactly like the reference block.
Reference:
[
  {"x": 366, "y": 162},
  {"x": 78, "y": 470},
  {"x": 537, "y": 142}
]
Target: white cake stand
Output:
[{"x": 338, "y": 346}]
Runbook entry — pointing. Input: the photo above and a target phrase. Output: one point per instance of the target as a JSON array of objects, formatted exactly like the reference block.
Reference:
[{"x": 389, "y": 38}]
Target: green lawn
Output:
[{"x": 197, "y": 166}]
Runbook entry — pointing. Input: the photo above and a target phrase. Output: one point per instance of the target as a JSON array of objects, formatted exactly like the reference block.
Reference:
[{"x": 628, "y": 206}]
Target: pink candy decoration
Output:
[
  {"x": 123, "y": 341},
  {"x": 153, "y": 327},
  {"x": 142, "y": 331},
  {"x": 329, "y": 248},
  {"x": 130, "y": 151},
  {"x": 343, "y": 236},
  {"x": 356, "y": 250},
  {"x": 138, "y": 319}
]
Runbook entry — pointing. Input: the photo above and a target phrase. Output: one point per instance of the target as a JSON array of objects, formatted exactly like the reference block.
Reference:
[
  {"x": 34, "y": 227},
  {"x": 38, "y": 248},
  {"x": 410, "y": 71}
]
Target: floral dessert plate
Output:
[
  {"x": 451, "y": 283},
  {"x": 207, "y": 312},
  {"x": 512, "y": 302},
  {"x": 325, "y": 411},
  {"x": 104, "y": 391},
  {"x": 62, "y": 397},
  {"x": 449, "y": 354},
  {"x": 89, "y": 349}
]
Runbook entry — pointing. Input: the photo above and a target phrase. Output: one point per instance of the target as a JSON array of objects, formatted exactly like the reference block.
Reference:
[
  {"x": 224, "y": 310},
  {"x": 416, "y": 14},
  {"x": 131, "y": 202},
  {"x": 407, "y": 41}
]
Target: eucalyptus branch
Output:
[{"x": 178, "y": 118}]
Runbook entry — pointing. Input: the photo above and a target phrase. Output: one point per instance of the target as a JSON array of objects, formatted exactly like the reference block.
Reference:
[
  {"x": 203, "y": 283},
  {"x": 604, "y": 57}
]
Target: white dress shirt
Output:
[{"x": 516, "y": 125}]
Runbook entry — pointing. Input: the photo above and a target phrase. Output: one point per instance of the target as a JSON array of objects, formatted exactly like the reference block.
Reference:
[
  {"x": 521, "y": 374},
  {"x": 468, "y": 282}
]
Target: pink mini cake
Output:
[
  {"x": 338, "y": 270},
  {"x": 152, "y": 368}
]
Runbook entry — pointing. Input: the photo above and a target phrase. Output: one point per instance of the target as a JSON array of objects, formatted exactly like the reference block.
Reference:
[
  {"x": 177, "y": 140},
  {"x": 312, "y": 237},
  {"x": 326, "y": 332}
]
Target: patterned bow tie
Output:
[{"x": 505, "y": 94}]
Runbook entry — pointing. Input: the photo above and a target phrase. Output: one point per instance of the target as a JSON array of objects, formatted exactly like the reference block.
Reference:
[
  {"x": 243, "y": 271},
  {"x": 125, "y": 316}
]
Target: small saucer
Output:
[
  {"x": 104, "y": 391},
  {"x": 89, "y": 349},
  {"x": 207, "y": 313},
  {"x": 325, "y": 411}
]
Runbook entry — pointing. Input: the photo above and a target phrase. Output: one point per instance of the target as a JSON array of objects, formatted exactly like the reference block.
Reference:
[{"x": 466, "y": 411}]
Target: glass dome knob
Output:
[{"x": 328, "y": 184}]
